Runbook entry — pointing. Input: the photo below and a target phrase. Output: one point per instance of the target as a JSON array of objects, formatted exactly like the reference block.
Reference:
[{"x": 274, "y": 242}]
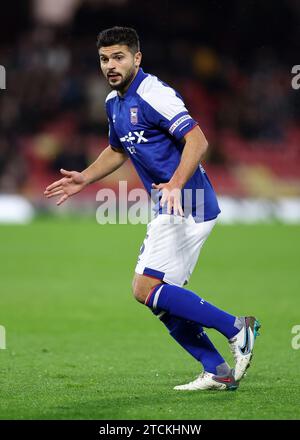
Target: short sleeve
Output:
[{"x": 165, "y": 108}]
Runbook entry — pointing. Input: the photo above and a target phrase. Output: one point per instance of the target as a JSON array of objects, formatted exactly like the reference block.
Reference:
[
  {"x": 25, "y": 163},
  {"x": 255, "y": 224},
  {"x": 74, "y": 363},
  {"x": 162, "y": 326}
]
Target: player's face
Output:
[{"x": 119, "y": 65}]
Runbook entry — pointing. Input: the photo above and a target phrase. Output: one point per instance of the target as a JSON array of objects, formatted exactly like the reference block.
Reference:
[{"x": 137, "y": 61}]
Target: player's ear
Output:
[{"x": 137, "y": 59}]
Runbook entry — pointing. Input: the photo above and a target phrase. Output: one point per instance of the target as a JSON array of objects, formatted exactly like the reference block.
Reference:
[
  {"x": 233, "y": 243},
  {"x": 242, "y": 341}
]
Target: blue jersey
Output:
[{"x": 149, "y": 122}]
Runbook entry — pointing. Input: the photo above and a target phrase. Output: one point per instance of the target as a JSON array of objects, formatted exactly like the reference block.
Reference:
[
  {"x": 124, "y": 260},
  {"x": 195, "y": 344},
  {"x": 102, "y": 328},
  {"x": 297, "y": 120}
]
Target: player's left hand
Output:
[{"x": 170, "y": 195}]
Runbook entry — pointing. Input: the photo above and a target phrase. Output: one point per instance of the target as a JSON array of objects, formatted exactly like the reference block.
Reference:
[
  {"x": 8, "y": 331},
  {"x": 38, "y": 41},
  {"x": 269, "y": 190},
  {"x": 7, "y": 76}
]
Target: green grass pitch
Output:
[{"x": 80, "y": 347}]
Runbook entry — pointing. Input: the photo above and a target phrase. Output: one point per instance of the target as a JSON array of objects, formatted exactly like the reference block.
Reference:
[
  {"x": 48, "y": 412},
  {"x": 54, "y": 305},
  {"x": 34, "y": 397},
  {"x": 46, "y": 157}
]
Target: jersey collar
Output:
[{"x": 139, "y": 77}]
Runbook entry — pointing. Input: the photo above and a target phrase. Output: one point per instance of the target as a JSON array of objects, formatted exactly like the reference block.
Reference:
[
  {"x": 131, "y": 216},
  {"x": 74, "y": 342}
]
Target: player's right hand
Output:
[{"x": 71, "y": 184}]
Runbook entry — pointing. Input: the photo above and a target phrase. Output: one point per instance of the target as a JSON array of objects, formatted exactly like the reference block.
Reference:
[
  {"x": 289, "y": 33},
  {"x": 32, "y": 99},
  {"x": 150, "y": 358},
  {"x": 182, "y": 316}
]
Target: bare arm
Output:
[
  {"x": 108, "y": 161},
  {"x": 194, "y": 149}
]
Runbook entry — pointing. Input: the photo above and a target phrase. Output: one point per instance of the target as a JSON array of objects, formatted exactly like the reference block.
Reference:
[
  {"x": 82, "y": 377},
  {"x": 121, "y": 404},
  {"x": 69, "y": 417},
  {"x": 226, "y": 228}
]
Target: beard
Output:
[{"x": 124, "y": 83}]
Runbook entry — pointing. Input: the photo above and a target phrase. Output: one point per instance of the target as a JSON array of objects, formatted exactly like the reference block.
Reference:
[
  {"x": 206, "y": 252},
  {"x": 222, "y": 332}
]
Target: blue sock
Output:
[
  {"x": 184, "y": 304},
  {"x": 194, "y": 340}
]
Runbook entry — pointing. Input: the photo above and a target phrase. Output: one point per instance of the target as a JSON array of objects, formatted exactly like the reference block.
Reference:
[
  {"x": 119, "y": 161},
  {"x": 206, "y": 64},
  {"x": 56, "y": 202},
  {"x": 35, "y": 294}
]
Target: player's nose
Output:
[{"x": 111, "y": 65}]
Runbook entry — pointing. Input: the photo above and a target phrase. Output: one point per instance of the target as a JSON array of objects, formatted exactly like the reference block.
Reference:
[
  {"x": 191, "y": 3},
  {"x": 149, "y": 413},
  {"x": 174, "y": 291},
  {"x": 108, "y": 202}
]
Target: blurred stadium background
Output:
[
  {"x": 77, "y": 344},
  {"x": 230, "y": 60}
]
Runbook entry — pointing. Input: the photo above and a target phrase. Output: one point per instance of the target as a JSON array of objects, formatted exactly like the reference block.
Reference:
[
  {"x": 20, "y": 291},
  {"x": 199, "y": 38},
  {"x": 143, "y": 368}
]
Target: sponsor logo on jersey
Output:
[
  {"x": 134, "y": 115},
  {"x": 131, "y": 149},
  {"x": 135, "y": 136}
]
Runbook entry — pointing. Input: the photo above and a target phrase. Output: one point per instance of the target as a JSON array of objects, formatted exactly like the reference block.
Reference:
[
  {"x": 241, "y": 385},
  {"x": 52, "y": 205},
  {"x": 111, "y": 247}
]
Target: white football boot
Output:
[
  {"x": 209, "y": 381},
  {"x": 241, "y": 345}
]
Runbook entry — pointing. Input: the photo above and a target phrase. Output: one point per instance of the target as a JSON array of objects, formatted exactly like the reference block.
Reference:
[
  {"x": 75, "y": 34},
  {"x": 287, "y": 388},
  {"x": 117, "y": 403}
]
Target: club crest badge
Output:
[{"x": 134, "y": 115}]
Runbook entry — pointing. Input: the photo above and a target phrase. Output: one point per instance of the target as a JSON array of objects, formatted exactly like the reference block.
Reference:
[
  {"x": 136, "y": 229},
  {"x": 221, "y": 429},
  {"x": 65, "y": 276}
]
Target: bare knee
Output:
[{"x": 141, "y": 286}]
